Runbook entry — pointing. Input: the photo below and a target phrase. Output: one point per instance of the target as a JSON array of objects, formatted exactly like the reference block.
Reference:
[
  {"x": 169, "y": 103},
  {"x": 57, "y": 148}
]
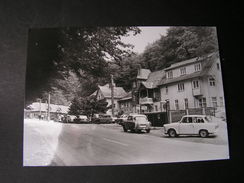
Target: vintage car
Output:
[
  {"x": 102, "y": 119},
  {"x": 136, "y": 123},
  {"x": 201, "y": 125},
  {"x": 81, "y": 119},
  {"x": 121, "y": 119}
]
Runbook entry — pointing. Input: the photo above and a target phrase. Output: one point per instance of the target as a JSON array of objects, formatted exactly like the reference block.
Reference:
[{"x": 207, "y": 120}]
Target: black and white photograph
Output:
[{"x": 123, "y": 95}]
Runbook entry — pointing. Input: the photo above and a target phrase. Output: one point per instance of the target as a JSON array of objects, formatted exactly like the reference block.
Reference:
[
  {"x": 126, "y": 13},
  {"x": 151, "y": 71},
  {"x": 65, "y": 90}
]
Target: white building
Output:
[{"x": 194, "y": 83}]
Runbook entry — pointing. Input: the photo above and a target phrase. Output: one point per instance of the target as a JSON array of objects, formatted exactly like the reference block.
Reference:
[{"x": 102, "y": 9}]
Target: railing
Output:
[{"x": 146, "y": 100}]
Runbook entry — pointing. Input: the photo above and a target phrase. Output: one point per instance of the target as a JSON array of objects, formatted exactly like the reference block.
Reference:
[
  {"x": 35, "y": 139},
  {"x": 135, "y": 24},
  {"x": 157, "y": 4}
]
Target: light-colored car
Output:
[
  {"x": 137, "y": 123},
  {"x": 81, "y": 119},
  {"x": 201, "y": 125}
]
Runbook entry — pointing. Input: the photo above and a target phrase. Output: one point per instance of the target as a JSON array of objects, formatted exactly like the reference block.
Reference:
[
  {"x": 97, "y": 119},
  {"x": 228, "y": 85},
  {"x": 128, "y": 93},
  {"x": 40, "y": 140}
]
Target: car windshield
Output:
[{"x": 141, "y": 119}]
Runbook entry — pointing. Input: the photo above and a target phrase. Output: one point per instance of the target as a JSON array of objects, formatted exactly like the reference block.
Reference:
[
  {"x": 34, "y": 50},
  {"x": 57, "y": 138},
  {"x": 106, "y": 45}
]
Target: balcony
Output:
[
  {"x": 197, "y": 92},
  {"x": 146, "y": 100}
]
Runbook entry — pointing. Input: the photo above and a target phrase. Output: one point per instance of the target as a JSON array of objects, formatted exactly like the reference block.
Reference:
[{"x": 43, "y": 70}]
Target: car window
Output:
[
  {"x": 199, "y": 120},
  {"x": 187, "y": 120}
]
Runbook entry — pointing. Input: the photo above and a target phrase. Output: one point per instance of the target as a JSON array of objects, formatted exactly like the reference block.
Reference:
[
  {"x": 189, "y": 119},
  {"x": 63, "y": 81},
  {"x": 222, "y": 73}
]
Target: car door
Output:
[
  {"x": 198, "y": 125},
  {"x": 186, "y": 126}
]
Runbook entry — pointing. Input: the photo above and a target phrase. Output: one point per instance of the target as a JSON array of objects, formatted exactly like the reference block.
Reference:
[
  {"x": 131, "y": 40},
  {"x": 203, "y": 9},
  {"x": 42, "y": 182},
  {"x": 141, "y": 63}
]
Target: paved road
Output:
[{"x": 59, "y": 144}]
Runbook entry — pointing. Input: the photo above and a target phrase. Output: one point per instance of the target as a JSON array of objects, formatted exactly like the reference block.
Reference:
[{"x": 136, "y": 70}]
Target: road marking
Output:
[{"x": 114, "y": 141}]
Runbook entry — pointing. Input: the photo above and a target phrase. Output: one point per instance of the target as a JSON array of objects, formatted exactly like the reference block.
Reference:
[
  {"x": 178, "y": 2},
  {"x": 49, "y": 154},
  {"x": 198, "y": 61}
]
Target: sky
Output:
[{"x": 148, "y": 35}]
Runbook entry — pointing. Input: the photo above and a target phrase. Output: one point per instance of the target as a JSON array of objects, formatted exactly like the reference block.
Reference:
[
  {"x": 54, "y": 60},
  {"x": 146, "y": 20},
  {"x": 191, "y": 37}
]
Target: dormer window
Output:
[
  {"x": 182, "y": 71},
  {"x": 170, "y": 74},
  {"x": 197, "y": 67}
]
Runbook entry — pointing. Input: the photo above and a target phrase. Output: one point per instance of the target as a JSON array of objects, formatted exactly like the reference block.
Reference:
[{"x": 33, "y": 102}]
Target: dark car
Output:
[
  {"x": 102, "y": 119},
  {"x": 137, "y": 123}
]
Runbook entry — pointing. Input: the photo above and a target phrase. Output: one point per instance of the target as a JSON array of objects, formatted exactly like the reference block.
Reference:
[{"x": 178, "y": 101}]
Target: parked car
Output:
[
  {"x": 68, "y": 118},
  {"x": 81, "y": 119},
  {"x": 137, "y": 123},
  {"x": 200, "y": 125},
  {"x": 102, "y": 118},
  {"x": 121, "y": 119}
]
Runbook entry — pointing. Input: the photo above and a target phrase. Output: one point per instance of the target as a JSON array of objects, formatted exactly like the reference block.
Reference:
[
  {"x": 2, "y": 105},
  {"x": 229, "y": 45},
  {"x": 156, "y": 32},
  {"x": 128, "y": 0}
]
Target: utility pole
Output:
[
  {"x": 48, "y": 108},
  {"x": 112, "y": 94}
]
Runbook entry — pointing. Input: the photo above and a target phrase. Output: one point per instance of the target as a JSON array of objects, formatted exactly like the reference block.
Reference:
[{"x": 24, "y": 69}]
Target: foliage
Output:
[
  {"x": 179, "y": 44},
  {"x": 87, "y": 106}
]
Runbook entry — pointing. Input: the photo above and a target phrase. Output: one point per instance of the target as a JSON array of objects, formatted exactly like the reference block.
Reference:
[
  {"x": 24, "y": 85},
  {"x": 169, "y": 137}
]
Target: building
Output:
[
  {"x": 105, "y": 92},
  {"x": 194, "y": 83},
  {"x": 37, "y": 110},
  {"x": 148, "y": 92},
  {"x": 125, "y": 104}
]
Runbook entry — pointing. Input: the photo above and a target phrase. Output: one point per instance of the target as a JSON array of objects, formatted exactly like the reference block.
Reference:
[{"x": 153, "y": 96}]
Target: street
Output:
[{"x": 58, "y": 144}]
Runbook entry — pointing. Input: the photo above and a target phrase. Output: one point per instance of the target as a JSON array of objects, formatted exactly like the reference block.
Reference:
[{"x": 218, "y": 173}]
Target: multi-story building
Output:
[
  {"x": 125, "y": 104},
  {"x": 148, "y": 92},
  {"x": 194, "y": 83}
]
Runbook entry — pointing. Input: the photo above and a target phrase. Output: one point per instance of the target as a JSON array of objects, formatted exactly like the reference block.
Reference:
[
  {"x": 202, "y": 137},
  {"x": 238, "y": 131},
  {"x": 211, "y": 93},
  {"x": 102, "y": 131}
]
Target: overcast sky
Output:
[{"x": 148, "y": 35}]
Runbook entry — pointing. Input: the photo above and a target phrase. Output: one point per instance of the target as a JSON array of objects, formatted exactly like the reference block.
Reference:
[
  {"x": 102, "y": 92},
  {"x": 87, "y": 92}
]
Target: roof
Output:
[
  {"x": 35, "y": 106},
  {"x": 143, "y": 74},
  {"x": 119, "y": 92},
  {"x": 189, "y": 61},
  {"x": 154, "y": 79},
  {"x": 206, "y": 66},
  {"x": 128, "y": 96}
]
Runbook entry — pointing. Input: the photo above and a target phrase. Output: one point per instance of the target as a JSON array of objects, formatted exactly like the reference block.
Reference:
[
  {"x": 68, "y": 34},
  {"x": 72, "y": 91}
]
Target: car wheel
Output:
[
  {"x": 172, "y": 133},
  {"x": 148, "y": 130},
  {"x": 203, "y": 133},
  {"x": 125, "y": 130}
]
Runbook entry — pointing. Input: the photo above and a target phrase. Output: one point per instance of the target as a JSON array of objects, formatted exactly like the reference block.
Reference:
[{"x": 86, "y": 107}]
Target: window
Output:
[
  {"x": 211, "y": 81},
  {"x": 187, "y": 120},
  {"x": 170, "y": 74},
  {"x": 221, "y": 101},
  {"x": 199, "y": 120},
  {"x": 203, "y": 102},
  {"x": 181, "y": 87},
  {"x": 214, "y": 101},
  {"x": 197, "y": 67},
  {"x": 182, "y": 71},
  {"x": 176, "y": 105},
  {"x": 156, "y": 108},
  {"x": 166, "y": 90},
  {"x": 186, "y": 103},
  {"x": 218, "y": 66},
  {"x": 195, "y": 84}
]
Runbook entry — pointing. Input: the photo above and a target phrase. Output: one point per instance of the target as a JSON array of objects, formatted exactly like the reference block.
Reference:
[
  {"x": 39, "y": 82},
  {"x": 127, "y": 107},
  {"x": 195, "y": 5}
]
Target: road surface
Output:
[{"x": 57, "y": 144}]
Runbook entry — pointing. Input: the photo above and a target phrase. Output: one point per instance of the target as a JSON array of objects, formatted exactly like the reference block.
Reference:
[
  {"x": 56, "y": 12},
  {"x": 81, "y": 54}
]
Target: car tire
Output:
[
  {"x": 203, "y": 133},
  {"x": 148, "y": 130},
  {"x": 172, "y": 133}
]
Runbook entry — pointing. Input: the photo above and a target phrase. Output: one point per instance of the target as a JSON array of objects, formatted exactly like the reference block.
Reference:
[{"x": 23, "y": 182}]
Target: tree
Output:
[
  {"x": 88, "y": 106},
  {"x": 84, "y": 51}
]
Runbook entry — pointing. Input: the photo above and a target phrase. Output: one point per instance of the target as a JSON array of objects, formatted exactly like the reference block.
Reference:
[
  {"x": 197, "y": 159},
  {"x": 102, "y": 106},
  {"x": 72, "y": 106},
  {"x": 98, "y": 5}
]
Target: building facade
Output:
[
  {"x": 194, "y": 83},
  {"x": 104, "y": 92}
]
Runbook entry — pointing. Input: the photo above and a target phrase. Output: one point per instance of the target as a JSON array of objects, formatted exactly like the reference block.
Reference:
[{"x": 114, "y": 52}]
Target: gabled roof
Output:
[
  {"x": 190, "y": 61},
  {"x": 119, "y": 92},
  {"x": 206, "y": 66},
  {"x": 128, "y": 96},
  {"x": 143, "y": 74},
  {"x": 154, "y": 79},
  {"x": 35, "y": 106}
]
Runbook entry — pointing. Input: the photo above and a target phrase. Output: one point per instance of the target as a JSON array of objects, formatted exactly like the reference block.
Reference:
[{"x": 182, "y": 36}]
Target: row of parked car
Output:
[
  {"x": 201, "y": 125},
  {"x": 97, "y": 119}
]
